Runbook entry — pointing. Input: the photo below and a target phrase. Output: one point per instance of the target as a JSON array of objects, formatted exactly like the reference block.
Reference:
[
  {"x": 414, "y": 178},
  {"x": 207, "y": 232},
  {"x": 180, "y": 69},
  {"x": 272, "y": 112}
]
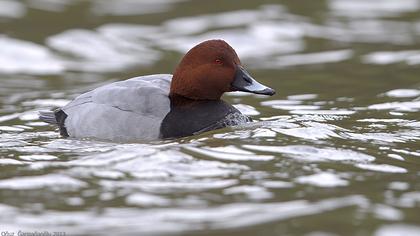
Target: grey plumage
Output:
[{"x": 122, "y": 111}]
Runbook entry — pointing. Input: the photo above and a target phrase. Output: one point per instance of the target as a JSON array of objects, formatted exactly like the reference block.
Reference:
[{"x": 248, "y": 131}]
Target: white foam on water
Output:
[
  {"x": 399, "y": 186},
  {"x": 389, "y": 57},
  {"x": 247, "y": 109},
  {"x": 39, "y": 157},
  {"x": 176, "y": 220},
  {"x": 398, "y": 229},
  {"x": 46, "y": 102},
  {"x": 382, "y": 168},
  {"x": 98, "y": 52},
  {"x": 340, "y": 112},
  {"x": 326, "y": 180},
  {"x": 18, "y": 56},
  {"x": 12, "y": 9},
  {"x": 10, "y": 129},
  {"x": 143, "y": 199},
  {"x": 10, "y": 162},
  {"x": 397, "y": 106},
  {"x": 51, "y": 5},
  {"x": 403, "y": 93},
  {"x": 309, "y": 153},
  {"x": 230, "y": 153},
  {"x": 56, "y": 182},
  {"x": 300, "y": 97},
  {"x": 372, "y": 9},
  {"x": 385, "y": 212},
  {"x": 131, "y": 7},
  {"x": 309, "y": 58},
  {"x": 261, "y": 132},
  {"x": 296, "y": 107},
  {"x": 277, "y": 184},
  {"x": 252, "y": 192}
]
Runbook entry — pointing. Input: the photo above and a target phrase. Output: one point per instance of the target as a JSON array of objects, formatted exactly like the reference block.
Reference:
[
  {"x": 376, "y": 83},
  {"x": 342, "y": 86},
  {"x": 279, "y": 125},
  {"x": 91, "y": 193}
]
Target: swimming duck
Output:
[{"x": 162, "y": 106}]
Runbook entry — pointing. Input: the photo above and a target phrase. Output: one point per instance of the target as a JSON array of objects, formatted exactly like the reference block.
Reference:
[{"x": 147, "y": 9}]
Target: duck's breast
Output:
[{"x": 200, "y": 116}]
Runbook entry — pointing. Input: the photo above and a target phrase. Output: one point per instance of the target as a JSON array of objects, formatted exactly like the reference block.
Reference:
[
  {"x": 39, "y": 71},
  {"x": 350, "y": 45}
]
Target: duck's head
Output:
[{"x": 210, "y": 69}]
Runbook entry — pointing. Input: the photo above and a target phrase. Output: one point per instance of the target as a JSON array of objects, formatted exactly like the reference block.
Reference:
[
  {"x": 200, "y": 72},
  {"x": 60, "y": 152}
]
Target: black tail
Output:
[
  {"x": 56, "y": 117},
  {"x": 48, "y": 116}
]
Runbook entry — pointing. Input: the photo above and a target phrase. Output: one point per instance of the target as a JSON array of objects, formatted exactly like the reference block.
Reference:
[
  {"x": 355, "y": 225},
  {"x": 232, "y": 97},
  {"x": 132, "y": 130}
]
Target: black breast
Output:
[{"x": 192, "y": 117}]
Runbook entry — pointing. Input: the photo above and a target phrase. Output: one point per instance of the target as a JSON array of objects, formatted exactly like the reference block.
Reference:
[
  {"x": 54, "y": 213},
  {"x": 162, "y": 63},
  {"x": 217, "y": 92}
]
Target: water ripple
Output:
[
  {"x": 338, "y": 141},
  {"x": 18, "y": 56},
  {"x": 309, "y": 153}
]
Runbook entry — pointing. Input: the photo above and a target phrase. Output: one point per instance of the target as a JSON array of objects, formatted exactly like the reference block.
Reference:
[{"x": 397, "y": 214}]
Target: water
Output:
[{"x": 335, "y": 152}]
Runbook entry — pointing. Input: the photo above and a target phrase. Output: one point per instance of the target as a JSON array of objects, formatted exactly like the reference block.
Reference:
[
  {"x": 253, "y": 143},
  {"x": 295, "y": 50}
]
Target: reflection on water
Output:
[
  {"x": 17, "y": 56},
  {"x": 336, "y": 151}
]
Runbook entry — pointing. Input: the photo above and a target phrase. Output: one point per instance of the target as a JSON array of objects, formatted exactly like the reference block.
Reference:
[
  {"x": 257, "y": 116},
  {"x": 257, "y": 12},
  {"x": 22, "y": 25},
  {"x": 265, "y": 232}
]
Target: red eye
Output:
[{"x": 218, "y": 61}]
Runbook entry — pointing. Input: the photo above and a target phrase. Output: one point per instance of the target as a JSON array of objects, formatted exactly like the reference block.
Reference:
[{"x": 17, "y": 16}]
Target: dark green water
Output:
[{"x": 335, "y": 152}]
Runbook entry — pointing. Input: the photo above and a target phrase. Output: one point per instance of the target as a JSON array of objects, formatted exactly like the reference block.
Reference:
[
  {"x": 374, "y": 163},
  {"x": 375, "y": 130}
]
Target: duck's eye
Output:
[{"x": 218, "y": 61}]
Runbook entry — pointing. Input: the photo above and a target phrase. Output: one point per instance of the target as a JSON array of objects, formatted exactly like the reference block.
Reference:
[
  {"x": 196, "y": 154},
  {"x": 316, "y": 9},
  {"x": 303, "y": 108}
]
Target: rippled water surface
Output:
[{"x": 335, "y": 152}]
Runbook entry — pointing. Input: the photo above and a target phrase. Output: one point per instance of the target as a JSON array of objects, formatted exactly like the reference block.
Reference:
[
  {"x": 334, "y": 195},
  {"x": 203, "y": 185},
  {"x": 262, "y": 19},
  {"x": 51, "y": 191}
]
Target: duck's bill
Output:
[{"x": 244, "y": 82}]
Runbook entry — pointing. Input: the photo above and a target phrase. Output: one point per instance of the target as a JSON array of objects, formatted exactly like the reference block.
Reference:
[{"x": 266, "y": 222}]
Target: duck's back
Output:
[{"x": 122, "y": 111}]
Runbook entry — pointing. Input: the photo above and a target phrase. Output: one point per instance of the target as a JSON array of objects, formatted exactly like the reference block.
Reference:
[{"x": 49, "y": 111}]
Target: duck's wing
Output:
[{"x": 128, "y": 110}]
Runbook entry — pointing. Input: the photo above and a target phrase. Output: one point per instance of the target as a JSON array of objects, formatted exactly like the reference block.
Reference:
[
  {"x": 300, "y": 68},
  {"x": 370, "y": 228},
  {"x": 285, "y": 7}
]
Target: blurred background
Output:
[{"x": 335, "y": 152}]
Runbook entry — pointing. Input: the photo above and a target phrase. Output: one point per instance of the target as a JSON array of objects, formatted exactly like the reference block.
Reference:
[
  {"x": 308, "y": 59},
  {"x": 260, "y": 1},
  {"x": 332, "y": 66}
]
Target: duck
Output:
[{"x": 162, "y": 106}]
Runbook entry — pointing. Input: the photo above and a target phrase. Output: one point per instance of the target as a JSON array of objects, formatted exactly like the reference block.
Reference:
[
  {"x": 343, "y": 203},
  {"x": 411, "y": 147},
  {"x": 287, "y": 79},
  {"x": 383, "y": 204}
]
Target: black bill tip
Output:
[
  {"x": 267, "y": 91},
  {"x": 244, "y": 82}
]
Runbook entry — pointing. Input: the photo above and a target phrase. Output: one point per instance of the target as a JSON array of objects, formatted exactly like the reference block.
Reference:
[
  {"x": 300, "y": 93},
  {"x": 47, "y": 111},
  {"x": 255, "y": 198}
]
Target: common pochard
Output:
[{"x": 162, "y": 106}]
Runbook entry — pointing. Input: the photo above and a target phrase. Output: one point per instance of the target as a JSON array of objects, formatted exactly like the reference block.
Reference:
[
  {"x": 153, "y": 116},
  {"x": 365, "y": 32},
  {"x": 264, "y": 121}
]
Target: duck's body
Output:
[
  {"x": 162, "y": 106},
  {"x": 140, "y": 109}
]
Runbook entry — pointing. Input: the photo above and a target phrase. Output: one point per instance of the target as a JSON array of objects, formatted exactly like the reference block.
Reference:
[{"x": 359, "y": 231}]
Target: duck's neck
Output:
[{"x": 179, "y": 100}]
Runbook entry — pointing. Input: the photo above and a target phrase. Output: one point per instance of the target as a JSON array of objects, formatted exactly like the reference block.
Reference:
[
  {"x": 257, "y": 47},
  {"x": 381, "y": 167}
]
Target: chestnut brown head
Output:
[{"x": 210, "y": 69}]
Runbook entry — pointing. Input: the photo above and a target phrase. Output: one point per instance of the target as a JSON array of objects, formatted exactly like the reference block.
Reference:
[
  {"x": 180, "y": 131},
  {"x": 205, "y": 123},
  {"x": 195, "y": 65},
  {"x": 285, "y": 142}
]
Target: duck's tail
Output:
[
  {"x": 56, "y": 117},
  {"x": 48, "y": 116}
]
